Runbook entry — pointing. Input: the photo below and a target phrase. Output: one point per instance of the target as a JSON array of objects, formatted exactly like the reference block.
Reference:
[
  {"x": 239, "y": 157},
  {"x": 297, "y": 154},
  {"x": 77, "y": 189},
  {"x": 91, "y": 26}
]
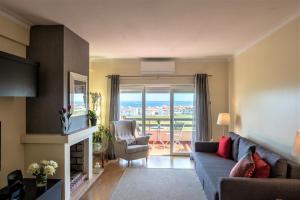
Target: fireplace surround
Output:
[{"x": 58, "y": 148}]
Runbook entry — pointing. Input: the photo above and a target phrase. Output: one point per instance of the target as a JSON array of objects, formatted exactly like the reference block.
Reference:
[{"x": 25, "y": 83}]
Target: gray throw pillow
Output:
[
  {"x": 277, "y": 163},
  {"x": 235, "y": 138},
  {"x": 245, "y": 146}
]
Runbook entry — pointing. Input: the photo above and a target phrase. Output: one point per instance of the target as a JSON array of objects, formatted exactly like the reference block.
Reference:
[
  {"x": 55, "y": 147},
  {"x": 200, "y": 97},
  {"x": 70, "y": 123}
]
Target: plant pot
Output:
[
  {"x": 97, "y": 146},
  {"x": 41, "y": 180},
  {"x": 93, "y": 122}
]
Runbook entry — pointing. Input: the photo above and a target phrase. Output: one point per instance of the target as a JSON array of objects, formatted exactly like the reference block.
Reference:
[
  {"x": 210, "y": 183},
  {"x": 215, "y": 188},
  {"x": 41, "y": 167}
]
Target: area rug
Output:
[{"x": 158, "y": 184}]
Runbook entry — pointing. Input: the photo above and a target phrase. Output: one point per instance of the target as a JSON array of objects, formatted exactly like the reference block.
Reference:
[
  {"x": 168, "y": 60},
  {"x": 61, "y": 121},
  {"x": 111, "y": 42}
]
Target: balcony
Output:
[{"x": 159, "y": 131}]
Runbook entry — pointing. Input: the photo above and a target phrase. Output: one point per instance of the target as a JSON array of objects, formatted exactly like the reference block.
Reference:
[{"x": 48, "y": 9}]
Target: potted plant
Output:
[
  {"x": 98, "y": 136},
  {"x": 42, "y": 170},
  {"x": 93, "y": 117}
]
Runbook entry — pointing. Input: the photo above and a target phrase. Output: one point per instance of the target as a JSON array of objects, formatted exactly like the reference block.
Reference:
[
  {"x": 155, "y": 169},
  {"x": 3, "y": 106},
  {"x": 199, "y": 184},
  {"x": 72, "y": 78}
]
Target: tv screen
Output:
[{"x": 18, "y": 76}]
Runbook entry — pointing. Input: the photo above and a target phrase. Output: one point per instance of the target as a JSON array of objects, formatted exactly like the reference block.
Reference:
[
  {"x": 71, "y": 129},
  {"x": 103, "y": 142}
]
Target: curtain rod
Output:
[{"x": 163, "y": 76}]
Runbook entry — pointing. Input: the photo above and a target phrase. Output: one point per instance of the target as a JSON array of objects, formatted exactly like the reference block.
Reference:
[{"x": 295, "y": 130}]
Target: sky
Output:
[{"x": 156, "y": 96}]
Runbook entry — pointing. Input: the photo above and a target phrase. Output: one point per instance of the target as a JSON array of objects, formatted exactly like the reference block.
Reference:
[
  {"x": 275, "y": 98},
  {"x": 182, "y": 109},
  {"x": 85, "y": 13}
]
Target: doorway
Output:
[{"x": 165, "y": 113}]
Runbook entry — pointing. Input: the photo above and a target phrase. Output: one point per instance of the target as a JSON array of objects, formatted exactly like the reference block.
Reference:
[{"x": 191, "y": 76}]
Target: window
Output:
[{"x": 164, "y": 113}]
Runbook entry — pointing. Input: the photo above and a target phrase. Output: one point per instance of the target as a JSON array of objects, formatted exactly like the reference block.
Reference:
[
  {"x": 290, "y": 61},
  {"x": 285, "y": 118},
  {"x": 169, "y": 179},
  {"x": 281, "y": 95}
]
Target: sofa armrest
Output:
[
  {"x": 142, "y": 140},
  {"x": 259, "y": 188},
  {"x": 208, "y": 147}
]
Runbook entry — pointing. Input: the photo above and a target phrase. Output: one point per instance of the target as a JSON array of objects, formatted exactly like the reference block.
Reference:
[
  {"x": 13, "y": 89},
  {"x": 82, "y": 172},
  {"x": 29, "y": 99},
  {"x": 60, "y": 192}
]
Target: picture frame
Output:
[{"x": 78, "y": 96}]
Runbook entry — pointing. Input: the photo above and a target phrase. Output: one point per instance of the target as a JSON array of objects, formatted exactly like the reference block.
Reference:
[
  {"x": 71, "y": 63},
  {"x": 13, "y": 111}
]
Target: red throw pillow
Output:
[
  {"x": 224, "y": 149},
  {"x": 262, "y": 169},
  {"x": 244, "y": 168}
]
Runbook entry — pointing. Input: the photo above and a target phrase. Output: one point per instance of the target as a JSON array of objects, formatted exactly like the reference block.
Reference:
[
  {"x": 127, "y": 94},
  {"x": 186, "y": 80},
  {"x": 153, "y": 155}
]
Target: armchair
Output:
[{"x": 127, "y": 146}]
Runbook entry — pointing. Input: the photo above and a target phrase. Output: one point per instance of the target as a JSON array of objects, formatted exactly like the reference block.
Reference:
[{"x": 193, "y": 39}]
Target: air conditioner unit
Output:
[{"x": 158, "y": 67}]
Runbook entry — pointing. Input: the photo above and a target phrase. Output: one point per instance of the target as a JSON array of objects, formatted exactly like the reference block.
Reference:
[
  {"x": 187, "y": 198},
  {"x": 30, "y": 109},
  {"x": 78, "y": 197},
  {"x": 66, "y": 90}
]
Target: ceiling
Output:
[{"x": 160, "y": 28}]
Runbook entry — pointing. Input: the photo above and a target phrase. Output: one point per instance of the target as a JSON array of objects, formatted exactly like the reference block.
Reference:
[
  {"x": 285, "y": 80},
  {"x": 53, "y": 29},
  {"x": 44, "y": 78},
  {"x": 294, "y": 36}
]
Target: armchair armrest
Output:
[
  {"x": 208, "y": 147},
  {"x": 142, "y": 140},
  {"x": 120, "y": 147},
  {"x": 259, "y": 188}
]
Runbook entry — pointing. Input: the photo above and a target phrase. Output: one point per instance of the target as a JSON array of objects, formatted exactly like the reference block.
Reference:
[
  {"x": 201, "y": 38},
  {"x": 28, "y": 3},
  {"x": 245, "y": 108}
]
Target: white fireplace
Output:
[{"x": 58, "y": 147}]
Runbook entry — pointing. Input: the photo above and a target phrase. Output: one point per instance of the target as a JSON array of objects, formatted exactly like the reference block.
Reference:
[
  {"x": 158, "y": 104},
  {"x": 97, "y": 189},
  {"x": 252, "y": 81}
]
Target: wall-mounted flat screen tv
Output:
[{"x": 18, "y": 76}]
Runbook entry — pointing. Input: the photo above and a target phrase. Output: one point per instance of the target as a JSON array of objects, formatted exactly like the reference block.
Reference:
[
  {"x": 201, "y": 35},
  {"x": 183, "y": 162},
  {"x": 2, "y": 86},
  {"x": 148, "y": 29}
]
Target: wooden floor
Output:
[{"x": 105, "y": 185}]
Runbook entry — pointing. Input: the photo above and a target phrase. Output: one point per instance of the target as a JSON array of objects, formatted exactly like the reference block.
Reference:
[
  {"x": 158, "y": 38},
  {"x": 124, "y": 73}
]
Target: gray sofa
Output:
[{"x": 213, "y": 172}]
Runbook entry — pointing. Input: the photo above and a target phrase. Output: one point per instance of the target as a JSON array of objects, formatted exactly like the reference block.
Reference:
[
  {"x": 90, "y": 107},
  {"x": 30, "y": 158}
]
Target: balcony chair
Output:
[
  {"x": 126, "y": 143},
  {"x": 178, "y": 131},
  {"x": 178, "y": 128}
]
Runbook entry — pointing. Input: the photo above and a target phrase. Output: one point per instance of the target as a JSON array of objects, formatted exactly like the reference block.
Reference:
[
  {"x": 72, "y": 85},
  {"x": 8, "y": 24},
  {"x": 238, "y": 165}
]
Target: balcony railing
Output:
[
  {"x": 154, "y": 122},
  {"x": 159, "y": 127}
]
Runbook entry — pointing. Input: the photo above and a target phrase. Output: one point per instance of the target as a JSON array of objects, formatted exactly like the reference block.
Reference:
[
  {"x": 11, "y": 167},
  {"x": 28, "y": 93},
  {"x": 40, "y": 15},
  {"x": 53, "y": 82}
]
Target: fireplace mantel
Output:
[
  {"x": 57, "y": 147},
  {"x": 72, "y": 138}
]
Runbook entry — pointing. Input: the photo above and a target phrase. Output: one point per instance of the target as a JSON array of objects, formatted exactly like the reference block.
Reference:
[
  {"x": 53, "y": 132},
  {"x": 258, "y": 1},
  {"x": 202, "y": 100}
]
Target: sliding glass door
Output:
[
  {"x": 183, "y": 109},
  {"x": 157, "y": 119},
  {"x": 163, "y": 113}
]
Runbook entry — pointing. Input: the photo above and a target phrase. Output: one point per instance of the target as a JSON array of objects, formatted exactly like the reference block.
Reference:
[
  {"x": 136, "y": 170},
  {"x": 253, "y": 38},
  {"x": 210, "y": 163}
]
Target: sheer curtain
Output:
[{"x": 202, "y": 109}]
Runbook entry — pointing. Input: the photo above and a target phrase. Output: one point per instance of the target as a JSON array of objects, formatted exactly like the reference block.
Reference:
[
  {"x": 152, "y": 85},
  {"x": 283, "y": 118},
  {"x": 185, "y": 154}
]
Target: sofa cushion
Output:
[
  {"x": 245, "y": 146},
  {"x": 262, "y": 168},
  {"x": 212, "y": 167},
  {"x": 245, "y": 167},
  {"x": 136, "y": 148},
  {"x": 234, "y": 145},
  {"x": 277, "y": 163},
  {"x": 224, "y": 149}
]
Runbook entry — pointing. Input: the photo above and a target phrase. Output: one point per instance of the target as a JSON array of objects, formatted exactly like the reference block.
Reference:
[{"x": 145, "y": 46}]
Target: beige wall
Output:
[
  {"x": 13, "y": 39},
  {"x": 218, "y": 82},
  {"x": 265, "y": 89}
]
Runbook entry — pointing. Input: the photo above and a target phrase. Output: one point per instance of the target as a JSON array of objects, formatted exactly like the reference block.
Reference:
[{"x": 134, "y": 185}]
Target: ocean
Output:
[{"x": 155, "y": 103}]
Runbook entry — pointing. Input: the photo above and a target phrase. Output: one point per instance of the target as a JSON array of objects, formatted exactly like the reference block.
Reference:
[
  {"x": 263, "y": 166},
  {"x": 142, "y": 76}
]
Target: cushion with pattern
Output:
[{"x": 244, "y": 167}]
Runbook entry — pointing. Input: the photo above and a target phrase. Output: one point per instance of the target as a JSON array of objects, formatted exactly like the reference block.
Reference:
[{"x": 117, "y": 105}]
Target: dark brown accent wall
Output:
[
  {"x": 76, "y": 59},
  {"x": 59, "y": 52}
]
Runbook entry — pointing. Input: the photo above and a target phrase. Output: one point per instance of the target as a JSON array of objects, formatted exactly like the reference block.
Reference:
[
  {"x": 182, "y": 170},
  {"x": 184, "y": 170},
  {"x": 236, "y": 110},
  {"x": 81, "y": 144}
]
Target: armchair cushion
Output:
[{"x": 136, "y": 148}]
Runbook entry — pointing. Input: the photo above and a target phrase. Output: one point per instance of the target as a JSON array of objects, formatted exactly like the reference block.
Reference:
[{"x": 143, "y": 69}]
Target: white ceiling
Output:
[{"x": 160, "y": 28}]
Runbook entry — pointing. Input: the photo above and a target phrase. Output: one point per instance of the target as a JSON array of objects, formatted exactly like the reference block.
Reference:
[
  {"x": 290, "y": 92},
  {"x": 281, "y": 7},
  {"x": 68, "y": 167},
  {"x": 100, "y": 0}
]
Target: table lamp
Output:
[
  {"x": 223, "y": 120},
  {"x": 296, "y": 147}
]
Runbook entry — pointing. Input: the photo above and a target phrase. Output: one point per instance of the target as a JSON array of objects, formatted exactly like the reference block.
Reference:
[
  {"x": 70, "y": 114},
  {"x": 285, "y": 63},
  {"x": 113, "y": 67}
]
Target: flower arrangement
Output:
[
  {"x": 42, "y": 170},
  {"x": 96, "y": 98},
  {"x": 64, "y": 116}
]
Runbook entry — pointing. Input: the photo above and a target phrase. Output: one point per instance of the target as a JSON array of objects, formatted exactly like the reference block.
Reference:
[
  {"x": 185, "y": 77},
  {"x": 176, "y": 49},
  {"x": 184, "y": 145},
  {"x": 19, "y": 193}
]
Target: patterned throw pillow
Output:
[
  {"x": 130, "y": 139},
  {"x": 244, "y": 167}
]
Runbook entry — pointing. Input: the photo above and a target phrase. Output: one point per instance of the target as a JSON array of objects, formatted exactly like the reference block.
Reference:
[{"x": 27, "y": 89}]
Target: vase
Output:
[
  {"x": 41, "y": 180},
  {"x": 93, "y": 122},
  {"x": 97, "y": 146}
]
